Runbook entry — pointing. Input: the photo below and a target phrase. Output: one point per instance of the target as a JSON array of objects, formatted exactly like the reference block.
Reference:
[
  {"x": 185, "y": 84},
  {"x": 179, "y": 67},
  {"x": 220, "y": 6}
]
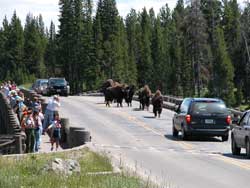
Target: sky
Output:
[{"x": 50, "y": 9}]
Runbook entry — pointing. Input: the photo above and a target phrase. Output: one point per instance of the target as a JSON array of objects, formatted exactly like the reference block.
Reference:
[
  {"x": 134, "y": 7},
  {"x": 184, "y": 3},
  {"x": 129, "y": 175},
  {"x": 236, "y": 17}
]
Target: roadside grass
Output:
[
  {"x": 27, "y": 172},
  {"x": 26, "y": 85},
  {"x": 244, "y": 107}
]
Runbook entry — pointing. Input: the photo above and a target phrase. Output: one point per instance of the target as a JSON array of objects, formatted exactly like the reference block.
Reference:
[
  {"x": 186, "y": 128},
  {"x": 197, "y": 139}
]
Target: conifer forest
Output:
[{"x": 199, "y": 48}]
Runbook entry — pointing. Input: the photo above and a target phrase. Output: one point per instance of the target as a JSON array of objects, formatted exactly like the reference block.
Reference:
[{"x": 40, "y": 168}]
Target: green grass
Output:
[
  {"x": 28, "y": 172},
  {"x": 26, "y": 85}
]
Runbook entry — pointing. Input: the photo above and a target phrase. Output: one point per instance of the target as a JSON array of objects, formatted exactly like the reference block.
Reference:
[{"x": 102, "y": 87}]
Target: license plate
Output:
[
  {"x": 209, "y": 121},
  {"x": 58, "y": 90}
]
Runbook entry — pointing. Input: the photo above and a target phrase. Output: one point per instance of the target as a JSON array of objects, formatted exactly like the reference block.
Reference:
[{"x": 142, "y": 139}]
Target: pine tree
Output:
[
  {"x": 51, "y": 50},
  {"x": 224, "y": 86},
  {"x": 158, "y": 56},
  {"x": 243, "y": 86},
  {"x": 131, "y": 31},
  {"x": 90, "y": 65},
  {"x": 145, "y": 65},
  {"x": 195, "y": 26},
  {"x": 34, "y": 47}
]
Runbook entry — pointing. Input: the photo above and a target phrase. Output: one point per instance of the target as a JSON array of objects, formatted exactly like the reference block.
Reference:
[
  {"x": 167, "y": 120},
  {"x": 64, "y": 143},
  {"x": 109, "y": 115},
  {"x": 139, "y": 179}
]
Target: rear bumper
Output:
[
  {"x": 58, "y": 91},
  {"x": 207, "y": 132}
]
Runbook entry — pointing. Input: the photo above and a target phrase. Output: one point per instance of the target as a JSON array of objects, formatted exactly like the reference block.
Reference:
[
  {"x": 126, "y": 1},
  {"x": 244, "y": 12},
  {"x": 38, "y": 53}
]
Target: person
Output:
[
  {"x": 56, "y": 131},
  {"x": 36, "y": 104},
  {"x": 29, "y": 125},
  {"x": 157, "y": 102},
  {"x": 52, "y": 107},
  {"x": 38, "y": 127}
]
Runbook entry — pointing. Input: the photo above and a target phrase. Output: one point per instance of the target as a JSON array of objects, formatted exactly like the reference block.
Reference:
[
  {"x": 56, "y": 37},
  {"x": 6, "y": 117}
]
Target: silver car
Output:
[
  {"x": 40, "y": 86},
  {"x": 240, "y": 136}
]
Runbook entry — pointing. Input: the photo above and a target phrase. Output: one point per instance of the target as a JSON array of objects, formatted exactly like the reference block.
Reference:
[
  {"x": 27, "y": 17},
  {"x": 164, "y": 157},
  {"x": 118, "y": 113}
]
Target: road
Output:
[{"x": 146, "y": 144}]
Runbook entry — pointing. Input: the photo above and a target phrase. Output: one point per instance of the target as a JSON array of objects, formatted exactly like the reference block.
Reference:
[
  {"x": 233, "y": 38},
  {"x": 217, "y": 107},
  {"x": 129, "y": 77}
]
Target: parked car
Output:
[
  {"x": 58, "y": 86},
  {"x": 40, "y": 86},
  {"x": 240, "y": 136},
  {"x": 202, "y": 116}
]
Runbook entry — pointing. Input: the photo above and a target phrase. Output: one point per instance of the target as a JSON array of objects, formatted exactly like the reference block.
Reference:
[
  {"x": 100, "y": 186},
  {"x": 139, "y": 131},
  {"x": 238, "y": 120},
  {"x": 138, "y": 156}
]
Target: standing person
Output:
[
  {"x": 157, "y": 102},
  {"x": 38, "y": 127},
  {"x": 52, "y": 107},
  {"x": 30, "y": 132},
  {"x": 36, "y": 104},
  {"x": 56, "y": 131}
]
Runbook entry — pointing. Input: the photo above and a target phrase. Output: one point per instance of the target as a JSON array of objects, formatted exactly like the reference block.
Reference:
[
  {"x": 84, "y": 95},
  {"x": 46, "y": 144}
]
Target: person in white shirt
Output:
[{"x": 52, "y": 107}]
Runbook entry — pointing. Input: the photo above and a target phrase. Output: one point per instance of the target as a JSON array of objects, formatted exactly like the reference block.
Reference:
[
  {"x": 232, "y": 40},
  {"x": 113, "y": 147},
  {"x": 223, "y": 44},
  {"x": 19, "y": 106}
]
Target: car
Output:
[
  {"x": 58, "y": 86},
  {"x": 40, "y": 86},
  {"x": 202, "y": 117},
  {"x": 240, "y": 135}
]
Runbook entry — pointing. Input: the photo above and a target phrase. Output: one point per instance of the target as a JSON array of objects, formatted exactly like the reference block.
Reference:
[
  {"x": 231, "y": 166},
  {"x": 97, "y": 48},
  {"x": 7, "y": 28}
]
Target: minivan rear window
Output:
[{"x": 209, "y": 108}]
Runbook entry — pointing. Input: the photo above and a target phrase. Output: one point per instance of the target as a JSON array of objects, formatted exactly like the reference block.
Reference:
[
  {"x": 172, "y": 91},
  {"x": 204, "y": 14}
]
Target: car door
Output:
[
  {"x": 182, "y": 113},
  {"x": 246, "y": 131},
  {"x": 240, "y": 130}
]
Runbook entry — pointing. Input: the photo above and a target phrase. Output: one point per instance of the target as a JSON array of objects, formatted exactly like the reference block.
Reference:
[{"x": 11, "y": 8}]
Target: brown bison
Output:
[
  {"x": 108, "y": 83},
  {"x": 129, "y": 93},
  {"x": 116, "y": 93},
  {"x": 157, "y": 102},
  {"x": 144, "y": 95}
]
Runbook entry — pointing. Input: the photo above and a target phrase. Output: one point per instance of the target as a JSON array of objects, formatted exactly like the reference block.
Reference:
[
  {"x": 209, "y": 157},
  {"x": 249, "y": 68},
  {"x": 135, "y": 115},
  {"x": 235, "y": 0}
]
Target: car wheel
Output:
[
  {"x": 174, "y": 131},
  {"x": 248, "y": 148},
  {"x": 224, "y": 138},
  {"x": 235, "y": 148},
  {"x": 184, "y": 135}
]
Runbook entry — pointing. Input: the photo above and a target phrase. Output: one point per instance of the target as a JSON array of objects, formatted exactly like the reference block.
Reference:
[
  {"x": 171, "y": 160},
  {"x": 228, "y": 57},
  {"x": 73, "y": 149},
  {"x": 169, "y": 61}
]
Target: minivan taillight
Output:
[
  {"x": 188, "y": 119},
  {"x": 228, "y": 120}
]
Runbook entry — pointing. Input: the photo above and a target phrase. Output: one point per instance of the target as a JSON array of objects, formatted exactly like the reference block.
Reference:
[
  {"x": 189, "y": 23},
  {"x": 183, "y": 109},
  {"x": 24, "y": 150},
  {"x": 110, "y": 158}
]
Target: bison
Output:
[
  {"x": 129, "y": 93},
  {"x": 157, "y": 102},
  {"x": 108, "y": 83},
  {"x": 115, "y": 93},
  {"x": 144, "y": 95}
]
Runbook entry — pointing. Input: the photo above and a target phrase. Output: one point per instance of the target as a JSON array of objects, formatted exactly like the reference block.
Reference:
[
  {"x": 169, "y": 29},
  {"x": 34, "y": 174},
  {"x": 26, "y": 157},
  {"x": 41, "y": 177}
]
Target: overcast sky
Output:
[{"x": 50, "y": 10}]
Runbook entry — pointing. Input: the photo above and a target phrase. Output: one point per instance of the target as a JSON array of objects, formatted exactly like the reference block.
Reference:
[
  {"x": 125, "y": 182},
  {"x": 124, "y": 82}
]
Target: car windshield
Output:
[
  {"x": 209, "y": 108},
  {"x": 57, "y": 82}
]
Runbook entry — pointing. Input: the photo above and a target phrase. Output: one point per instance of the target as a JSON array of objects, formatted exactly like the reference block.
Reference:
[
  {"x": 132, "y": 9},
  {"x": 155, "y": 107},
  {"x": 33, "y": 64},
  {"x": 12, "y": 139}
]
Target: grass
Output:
[
  {"x": 26, "y": 85},
  {"x": 27, "y": 172}
]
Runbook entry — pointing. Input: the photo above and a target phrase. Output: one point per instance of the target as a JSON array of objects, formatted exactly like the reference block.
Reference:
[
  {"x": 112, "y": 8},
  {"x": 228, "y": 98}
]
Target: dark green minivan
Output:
[{"x": 202, "y": 116}]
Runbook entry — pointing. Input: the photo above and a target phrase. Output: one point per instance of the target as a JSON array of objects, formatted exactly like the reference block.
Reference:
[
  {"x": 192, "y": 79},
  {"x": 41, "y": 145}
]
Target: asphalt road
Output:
[{"x": 146, "y": 144}]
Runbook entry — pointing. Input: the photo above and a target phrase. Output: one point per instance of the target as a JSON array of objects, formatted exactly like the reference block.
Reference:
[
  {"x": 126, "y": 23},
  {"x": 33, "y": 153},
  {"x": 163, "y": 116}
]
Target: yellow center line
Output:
[
  {"x": 125, "y": 115},
  {"x": 233, "y": 161},
  {"x": 187, "y": 146}
]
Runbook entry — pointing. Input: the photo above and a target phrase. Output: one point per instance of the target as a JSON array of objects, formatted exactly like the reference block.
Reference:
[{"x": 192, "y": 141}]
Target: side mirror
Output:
[{"x": 177, "y": 110}]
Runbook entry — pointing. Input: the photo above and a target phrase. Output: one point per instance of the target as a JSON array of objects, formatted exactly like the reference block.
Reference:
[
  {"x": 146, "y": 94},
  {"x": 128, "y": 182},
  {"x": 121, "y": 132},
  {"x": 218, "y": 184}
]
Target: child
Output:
[{"x": 56, "y": 135}]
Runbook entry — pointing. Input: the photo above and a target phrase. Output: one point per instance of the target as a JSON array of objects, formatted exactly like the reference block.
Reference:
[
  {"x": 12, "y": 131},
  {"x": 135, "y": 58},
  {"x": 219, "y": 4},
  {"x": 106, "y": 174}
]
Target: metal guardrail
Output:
[{"x": 170, "y": 102}]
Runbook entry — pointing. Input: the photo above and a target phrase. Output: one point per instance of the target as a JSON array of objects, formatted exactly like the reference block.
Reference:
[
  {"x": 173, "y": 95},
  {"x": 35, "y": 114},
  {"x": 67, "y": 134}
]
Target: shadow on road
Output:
[
  {"x": 149, "y": 117},
  {"x": 194, "y": 139},
  {"x": 101, "y": 103},
  {"x": 241, "y": 156},
  {"x": 137, "y": 109}
]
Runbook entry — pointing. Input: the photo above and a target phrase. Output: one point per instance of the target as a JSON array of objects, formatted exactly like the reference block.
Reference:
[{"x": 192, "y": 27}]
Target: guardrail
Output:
[
  {"x": 171, "y": 103},
  {"x": 11, "y": 137}
]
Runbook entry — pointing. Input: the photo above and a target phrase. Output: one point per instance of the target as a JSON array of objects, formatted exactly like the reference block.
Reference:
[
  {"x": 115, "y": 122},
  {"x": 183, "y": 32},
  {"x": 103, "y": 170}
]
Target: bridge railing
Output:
[
  {"x": 11, "y": 138},
  {"x": 172, "y": 103}
]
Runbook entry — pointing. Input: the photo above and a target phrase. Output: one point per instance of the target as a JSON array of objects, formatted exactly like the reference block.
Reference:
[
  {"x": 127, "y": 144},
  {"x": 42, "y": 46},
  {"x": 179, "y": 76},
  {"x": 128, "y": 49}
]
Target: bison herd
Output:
[{"x": 117, "y": 92}]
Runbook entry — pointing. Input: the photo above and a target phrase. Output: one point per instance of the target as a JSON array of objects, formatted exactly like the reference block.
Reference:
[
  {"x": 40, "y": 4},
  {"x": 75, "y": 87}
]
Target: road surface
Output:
[{"x": 146, "y": 143}]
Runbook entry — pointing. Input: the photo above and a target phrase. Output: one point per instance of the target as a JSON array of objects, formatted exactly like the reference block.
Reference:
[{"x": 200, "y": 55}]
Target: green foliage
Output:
[
  {"x": 223, "y": 86},
  {"x": 183, "y": 52}
]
